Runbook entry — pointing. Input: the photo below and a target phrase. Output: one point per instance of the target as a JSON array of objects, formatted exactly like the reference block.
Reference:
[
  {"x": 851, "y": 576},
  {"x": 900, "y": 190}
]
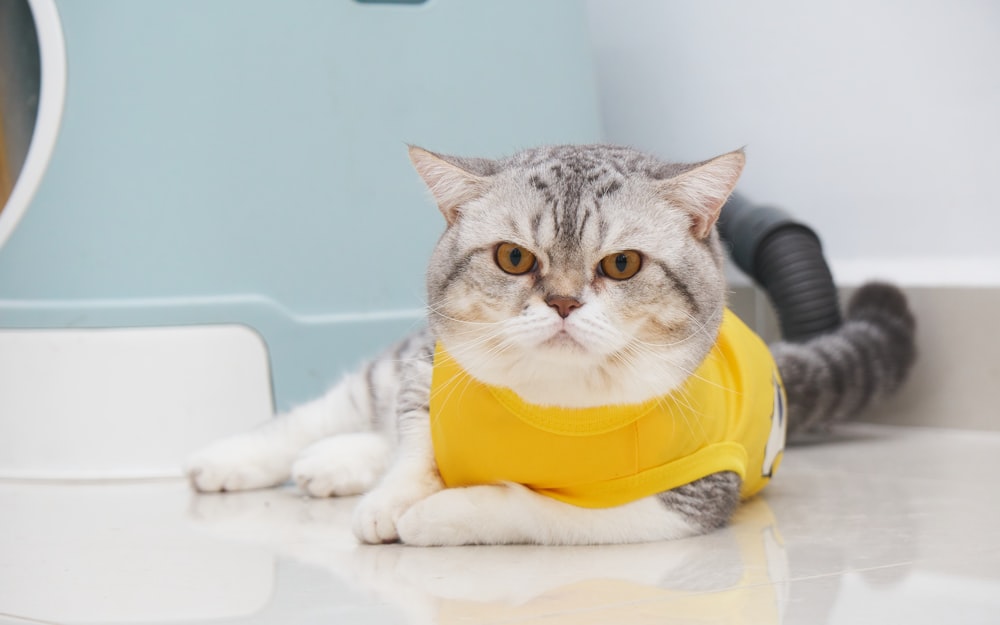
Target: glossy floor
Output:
[{"x": 883, "y": 525}]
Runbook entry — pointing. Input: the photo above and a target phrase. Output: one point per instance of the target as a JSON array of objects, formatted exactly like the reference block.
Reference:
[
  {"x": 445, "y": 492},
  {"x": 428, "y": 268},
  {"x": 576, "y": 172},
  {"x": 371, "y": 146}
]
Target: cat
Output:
[{"x": 582, "y": 286}]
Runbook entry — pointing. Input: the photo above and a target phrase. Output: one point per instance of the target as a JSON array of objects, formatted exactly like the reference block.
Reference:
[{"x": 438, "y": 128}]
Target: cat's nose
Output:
[{"x": 565, "y": 305}]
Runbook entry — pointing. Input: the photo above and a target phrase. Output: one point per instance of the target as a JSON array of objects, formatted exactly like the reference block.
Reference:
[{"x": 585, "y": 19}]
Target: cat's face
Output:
[{"x": 578, "y": 275}]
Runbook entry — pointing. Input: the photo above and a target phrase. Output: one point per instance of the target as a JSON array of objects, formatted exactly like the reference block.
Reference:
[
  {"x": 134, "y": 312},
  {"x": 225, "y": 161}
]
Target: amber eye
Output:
[
  {"x": 621, "y": 265},
  {"x": 514, "y": 259}
]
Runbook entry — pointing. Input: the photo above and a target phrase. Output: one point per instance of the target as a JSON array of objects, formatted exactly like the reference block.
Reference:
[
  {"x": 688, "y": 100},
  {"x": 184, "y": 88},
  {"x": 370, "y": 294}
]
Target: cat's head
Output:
[{"x": 578, "y": 275}]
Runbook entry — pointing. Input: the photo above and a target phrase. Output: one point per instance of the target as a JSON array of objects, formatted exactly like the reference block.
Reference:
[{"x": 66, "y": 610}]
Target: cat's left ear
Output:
[
  {"x": 453, "y": 181},
  {"x": 703, "y": 189}
]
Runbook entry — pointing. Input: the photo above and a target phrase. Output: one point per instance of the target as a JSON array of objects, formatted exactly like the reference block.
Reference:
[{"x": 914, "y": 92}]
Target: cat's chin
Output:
[
  {"x": 562, "y": 372},
  {"x": 562, "y": 344}
]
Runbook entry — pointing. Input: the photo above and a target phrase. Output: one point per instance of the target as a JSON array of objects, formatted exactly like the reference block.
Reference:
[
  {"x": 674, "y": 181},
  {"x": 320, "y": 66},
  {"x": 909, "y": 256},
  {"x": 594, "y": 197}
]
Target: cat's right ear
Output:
[{"x": 452, "y": 181}]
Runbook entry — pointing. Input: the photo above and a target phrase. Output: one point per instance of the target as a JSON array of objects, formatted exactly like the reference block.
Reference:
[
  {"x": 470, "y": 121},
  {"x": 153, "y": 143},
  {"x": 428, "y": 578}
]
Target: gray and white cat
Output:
[{"x": 575, "y": 276}]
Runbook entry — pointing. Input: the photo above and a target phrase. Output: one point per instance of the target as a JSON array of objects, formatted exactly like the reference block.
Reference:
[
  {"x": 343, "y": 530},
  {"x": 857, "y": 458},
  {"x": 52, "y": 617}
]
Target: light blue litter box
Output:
[{"x": 244, "y": 161}]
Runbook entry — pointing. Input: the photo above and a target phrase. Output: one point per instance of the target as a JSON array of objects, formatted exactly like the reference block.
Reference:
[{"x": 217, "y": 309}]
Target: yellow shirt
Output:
[{"x": 728, "y": 416}]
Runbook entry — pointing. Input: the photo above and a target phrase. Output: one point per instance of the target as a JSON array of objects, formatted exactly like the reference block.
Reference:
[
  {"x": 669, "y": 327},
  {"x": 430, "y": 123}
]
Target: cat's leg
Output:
[
  {"x": 413, "y": 474},
  {"x": 263, "y": 457},
  {"x": 412, "y": 477},
  {"x": 506, "y": 514},
  {"x": 346, "y": 464}
]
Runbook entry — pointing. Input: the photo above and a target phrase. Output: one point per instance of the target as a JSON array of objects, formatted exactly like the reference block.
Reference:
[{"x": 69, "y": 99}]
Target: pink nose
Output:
[{"x": 565, "y": 305}]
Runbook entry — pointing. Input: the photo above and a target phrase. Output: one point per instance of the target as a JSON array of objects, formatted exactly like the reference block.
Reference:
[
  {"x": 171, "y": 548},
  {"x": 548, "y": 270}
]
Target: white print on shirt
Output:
[{"x": 776, "y": 440}]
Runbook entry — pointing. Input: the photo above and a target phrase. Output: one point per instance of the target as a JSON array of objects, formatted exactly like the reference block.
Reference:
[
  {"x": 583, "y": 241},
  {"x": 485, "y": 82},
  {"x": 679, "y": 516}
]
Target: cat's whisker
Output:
[
  {"x": 496, "y": 344},
  {"x": 701, "y": 328},
  {"x": 469, "y": 348},
  {"x": 679, "y": 397},
  {"x": 665, "y": 357},
  {"x": 442, "y": 315}
]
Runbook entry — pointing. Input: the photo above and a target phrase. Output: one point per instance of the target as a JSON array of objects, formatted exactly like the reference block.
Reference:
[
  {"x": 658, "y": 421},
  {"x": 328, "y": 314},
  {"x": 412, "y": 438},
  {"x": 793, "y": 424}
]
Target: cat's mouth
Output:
[{"x": 564, "y": 340}]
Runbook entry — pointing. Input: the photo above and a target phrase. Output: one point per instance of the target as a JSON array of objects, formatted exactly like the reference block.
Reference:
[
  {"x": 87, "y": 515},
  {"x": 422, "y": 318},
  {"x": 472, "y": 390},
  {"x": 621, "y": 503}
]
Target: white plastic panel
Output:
[{"x": 125, "y": 402}]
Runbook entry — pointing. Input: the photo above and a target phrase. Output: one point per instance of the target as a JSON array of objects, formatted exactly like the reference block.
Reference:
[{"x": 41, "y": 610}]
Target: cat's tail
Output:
[{"x": 831, "y": 377}]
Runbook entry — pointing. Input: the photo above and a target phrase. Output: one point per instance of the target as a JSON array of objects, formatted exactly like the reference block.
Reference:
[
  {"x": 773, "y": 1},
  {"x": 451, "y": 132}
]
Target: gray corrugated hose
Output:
[{"x": 784, "y": 257}]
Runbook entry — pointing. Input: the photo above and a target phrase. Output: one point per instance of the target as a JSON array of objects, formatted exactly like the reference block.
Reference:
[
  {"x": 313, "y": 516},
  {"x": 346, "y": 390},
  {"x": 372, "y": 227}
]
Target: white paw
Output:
[
  {"x": 339, "y": 466},
  {"x": 461, "y": 516},
  {"x": 376, "y": 515},
  {"x": 379, "y": 511},
  {"x": 240, "y": 463}
]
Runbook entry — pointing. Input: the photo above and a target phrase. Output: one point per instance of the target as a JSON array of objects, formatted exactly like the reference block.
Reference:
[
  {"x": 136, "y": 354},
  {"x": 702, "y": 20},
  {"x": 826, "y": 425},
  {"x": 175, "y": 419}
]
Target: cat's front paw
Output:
[
  {"x": 349, "y": 464},
  {"x": 238, "y": 463},
  {"x": 461, "y": 516},
  {"x": 379, "y": 512}
]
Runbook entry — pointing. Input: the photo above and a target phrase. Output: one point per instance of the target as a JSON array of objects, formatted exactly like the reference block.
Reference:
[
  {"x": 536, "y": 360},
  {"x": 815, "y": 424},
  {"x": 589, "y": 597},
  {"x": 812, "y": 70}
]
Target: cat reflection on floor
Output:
[{"x": 735, "y": 575}]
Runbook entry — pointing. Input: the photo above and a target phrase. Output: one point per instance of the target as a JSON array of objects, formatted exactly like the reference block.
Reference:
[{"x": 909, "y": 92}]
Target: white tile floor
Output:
[{"x": 884, "y": 525}]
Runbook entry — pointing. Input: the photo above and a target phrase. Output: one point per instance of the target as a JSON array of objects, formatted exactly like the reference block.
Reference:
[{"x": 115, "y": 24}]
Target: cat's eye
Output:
[
  {"x": 514, "y": 259},
  {"x": 621, "y": 265}
]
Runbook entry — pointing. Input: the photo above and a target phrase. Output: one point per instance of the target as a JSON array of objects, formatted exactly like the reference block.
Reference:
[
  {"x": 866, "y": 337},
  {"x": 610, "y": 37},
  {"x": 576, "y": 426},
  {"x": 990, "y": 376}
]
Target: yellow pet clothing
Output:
[{"x": 728, "y": 416}]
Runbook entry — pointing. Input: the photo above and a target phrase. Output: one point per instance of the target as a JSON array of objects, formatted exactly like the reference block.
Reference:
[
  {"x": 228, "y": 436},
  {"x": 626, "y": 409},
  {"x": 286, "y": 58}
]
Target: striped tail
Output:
[{"x": 834, "y": 376}]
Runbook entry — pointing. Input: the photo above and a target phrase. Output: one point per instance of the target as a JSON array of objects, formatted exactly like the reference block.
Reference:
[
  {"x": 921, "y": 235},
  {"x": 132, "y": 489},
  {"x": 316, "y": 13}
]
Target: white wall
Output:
[{"x": 876, "y": 121}]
